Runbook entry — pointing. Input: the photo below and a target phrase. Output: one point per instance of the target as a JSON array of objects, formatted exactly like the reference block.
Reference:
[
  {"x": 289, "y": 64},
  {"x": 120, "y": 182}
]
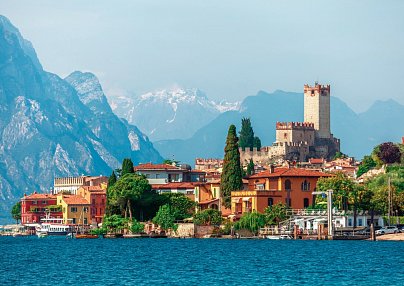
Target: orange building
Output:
[
  {"x": 291, "y": 186},
  {"x": 97, "y": 197}
]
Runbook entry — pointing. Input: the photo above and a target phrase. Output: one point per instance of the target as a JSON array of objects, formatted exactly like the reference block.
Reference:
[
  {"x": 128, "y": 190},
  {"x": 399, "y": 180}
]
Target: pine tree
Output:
[
  {"x": 257, "y": 143},
  {"x": 127, "y": 167},
  {"x": 246, "y": 134},
  {"x": 231, "y": 179},
  {"x": 250, "y": 167}
]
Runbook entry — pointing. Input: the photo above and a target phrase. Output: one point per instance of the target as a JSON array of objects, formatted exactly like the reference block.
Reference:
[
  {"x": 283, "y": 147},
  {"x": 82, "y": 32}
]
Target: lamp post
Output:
[{"x": 328, "y": 193}]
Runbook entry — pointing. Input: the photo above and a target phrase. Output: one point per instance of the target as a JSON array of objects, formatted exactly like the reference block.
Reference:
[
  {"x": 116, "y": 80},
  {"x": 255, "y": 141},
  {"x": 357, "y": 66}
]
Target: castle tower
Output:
[{"x": 317, "y": 108}]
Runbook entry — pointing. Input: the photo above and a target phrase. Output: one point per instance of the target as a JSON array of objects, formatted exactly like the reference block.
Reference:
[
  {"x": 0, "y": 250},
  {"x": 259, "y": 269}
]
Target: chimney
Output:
[{"x": 271, "y": 168}]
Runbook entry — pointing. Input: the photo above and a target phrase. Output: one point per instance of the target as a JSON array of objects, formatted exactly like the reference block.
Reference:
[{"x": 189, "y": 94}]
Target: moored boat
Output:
[
  {"x": 84, "y": 236},
  {"x": 52, "y": 226}
]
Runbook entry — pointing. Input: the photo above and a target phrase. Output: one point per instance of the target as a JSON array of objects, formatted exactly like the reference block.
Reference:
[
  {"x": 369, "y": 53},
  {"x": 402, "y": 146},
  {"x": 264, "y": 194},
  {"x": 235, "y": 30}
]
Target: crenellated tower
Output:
[{"x": 317, "y": 108}]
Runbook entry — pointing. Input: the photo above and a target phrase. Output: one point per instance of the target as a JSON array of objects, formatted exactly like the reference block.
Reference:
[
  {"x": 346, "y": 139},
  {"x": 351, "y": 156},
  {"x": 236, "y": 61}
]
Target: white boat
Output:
[
  {"x": 52, "y": 226},
  {"x": 282, "y": 236}
]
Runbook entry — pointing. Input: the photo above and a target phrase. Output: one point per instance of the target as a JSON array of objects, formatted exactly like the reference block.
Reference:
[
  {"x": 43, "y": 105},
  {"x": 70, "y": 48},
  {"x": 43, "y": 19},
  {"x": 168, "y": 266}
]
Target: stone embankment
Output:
[{"x": 395, "y": 236}]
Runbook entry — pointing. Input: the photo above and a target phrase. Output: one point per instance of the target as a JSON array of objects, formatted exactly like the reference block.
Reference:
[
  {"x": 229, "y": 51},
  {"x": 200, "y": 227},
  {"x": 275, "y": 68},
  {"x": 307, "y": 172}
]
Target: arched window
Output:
[{"x": 288, "y": 185}]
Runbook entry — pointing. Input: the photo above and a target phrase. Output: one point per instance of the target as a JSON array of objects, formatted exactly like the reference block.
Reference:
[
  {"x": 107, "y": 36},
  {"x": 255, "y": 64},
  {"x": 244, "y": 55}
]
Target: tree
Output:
[
  {"x": 111, "y": 179},
  {"x": 114, "y": 223},
  {"x": 250, "y": 167},
  {"x": 231, "y": 178},
  {"x": 127, "y": 167},
  {"x": 164, "y": 218},
  {"x": 342, "y": 186},
  {"x": 136, "y": 227},
  {"x": 127, "y": 189},
  {"x": 16, "y": 211},
  {"x": 276, "y": 213},
  {"x": 388, "y": 153},
  {"x": 257, "y": 143},
  {"x": 246, "y": 134},
  {"x": 170, "y": 162},
  {"x": 110, "y": 208},
  {"x": 367, "y": 164},
  {"x": 181, "y": 206},
  {"x": 208, "y": 217},
  {"x": 339, "y": 155},
  {"x": 252, "y": 221}
]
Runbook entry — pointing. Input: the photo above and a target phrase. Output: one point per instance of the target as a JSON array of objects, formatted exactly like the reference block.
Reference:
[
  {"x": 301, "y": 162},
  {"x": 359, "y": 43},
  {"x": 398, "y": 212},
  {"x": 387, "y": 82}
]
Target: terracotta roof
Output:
[
  {"x": 175, "y": 185},
  {"x": 292, "y": 172},
  {"x": 316, "y": 161},
  {"x": 36, "y": 196},
  {"x": 150, "y": 166},
  {"x": 93, "y": 188},
  {"x": 74, "y": 200}
]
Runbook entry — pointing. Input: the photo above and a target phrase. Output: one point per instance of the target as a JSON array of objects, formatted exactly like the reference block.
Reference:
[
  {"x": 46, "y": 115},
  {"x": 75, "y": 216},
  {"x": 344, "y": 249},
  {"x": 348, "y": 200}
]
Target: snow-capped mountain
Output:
[
  {"x": 53, "y": 127},
  {"x": 174, "y": 113}
]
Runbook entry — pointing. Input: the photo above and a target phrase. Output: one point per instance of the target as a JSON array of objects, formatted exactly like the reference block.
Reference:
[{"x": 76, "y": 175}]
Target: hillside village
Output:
[{"x": 284, "y": 184}]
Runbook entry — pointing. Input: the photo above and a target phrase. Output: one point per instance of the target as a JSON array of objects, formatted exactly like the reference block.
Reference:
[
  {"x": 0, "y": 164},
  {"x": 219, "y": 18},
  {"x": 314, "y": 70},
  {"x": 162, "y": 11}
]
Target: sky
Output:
[{"x": 228, "y": 49}]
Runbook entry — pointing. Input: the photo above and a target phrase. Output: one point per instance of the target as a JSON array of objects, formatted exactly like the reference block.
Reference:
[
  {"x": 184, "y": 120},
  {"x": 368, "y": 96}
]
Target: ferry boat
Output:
[{"x": 52, "y": 226}]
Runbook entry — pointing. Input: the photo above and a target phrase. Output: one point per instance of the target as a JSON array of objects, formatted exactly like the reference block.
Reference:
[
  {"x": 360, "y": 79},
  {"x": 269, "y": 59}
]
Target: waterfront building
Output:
[
  {"x": 291, "y": 186},
  {"x": 35, "y": 206},
  {"x": 70, "y": 185},
  {"x": 97, "y": 197},
  {"x": 75, "y": 209},
  {"x": 158, "y": 174}
]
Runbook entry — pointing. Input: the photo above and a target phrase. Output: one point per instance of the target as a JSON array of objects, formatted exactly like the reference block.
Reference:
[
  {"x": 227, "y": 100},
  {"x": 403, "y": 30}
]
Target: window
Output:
[
  {"x": 305, "y": 186},
  {"x": 73, "y": 209},
  {"x": 44, "y": 202},
  {"x": 288, "y": 185},
  {"x": 360, "y": 222},
  {"x": 349, "y": 222},
  {"x": 85, "y": 220},
  {"x": 270, "y": 202},
  {"x": 157, "y": 176},
  {"x": 305, "y": 202},
  {"x": 74, "y": 220},
  {"x": 34, "y": 202},
  {"x": 85, "y": 209}
]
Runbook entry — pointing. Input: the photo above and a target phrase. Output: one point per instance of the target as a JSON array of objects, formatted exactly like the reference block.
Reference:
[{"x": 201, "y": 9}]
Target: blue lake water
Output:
[{"x": 61, "y": 261}]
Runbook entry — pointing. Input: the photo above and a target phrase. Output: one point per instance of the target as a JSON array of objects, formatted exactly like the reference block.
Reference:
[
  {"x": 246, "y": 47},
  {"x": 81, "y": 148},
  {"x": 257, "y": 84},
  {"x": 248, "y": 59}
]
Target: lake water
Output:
[{"x": 61, "y": 261}]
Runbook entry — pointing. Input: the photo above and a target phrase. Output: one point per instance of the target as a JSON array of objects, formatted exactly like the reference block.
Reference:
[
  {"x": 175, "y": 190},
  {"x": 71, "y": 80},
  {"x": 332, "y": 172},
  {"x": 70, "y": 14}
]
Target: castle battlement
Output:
[
  {"x": 317, "y": 87},
  {"x": 294, "y": 125}
]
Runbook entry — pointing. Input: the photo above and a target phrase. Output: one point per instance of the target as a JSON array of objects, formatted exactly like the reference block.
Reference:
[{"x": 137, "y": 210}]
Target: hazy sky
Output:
[{"x": 229, "y": 49}]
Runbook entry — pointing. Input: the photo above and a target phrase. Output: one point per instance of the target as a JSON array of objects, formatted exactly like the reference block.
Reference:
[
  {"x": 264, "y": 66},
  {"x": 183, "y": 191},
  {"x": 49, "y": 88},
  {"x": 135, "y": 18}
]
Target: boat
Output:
[
  {"x": 52, "y": 226},
  {"x": 83, "y": 235},
  {"x": 282, "y": 236}
]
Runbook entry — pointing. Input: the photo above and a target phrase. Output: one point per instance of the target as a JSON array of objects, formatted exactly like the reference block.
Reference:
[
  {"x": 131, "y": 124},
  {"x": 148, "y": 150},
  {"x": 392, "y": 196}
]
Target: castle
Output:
[{"x": 299, "y": 141}]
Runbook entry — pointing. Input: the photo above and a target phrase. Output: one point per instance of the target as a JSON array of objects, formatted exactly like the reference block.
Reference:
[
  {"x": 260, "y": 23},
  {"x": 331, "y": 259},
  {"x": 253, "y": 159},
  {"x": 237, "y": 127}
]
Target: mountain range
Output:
[
  {"x": 54, "y": 127},
  {"x": 359, "y": 133},
  {"x": 174, "y": 113}
]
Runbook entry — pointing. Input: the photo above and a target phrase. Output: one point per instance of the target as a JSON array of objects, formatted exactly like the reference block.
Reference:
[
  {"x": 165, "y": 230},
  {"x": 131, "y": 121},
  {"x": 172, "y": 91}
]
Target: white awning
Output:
[
  {"x": 235, "y": 200},
  {"x": 246, "y": 199}
]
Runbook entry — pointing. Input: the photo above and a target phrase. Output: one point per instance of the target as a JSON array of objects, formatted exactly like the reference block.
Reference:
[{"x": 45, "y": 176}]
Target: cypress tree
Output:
[
  {"x": 127, "y": 167},
  {"x": 246, "y": 134},
  {"x": 257, "y": 143},
  {"x": 231, "y": 179},
  {"x": 250, "y": 167},
  {"x": 111, "y": 179}
]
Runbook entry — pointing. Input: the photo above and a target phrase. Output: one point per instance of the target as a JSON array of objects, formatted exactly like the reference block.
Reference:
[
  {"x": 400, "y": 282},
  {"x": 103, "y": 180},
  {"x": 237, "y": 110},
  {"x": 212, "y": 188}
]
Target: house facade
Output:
[
  {"x": 34, "y": 207},
  {"x": 290, "y": 186},
  {"x": 97, "y": 197},
  {"x": 75, "y": 209}
]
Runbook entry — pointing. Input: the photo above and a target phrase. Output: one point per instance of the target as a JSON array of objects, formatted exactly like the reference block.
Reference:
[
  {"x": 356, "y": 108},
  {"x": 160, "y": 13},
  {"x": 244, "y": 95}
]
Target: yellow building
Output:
[{"x": 75, "y": 209}]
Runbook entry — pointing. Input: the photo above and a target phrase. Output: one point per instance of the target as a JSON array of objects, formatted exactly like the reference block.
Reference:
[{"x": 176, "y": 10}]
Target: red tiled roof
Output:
[
  {"x": 316, "y": 161},
  {"x": 93, "y": 188},
  {"x": 150, "y": 166},
  {"x": 292, "y": 172},
  {"x": 36, "y": 196},
  {"x": 75, "y": 200}
]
